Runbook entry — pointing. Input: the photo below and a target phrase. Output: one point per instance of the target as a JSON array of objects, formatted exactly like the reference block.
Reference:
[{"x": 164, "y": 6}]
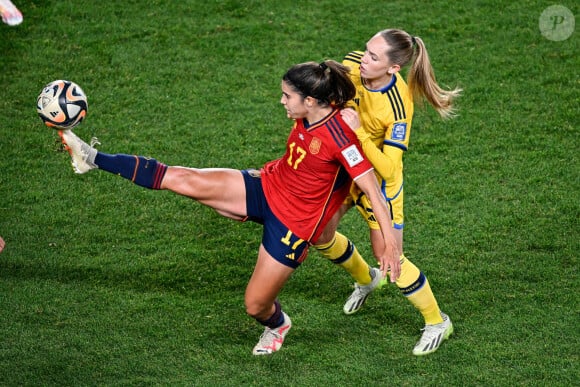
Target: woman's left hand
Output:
[{"x": 351, "y": 118}]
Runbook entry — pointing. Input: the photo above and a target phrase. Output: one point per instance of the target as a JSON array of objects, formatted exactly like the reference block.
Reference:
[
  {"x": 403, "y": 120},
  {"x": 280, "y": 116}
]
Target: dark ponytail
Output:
[{"x": 328, "y": 82}]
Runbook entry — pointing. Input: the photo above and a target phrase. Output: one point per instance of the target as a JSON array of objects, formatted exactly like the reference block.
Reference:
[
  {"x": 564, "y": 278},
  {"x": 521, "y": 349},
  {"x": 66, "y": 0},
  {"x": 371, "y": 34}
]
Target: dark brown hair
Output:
[{"x": 328, "y": 82}]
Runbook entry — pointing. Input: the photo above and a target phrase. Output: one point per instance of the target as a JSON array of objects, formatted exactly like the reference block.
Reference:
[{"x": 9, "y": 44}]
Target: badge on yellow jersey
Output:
[{"x": 399, "y": 131}]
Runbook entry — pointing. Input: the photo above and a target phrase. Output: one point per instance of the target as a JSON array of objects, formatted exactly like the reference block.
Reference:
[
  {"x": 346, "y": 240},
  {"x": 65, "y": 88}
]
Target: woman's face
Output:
[
  {"x": 293, "y": 102},
  {"x": 374, "y": 63}
]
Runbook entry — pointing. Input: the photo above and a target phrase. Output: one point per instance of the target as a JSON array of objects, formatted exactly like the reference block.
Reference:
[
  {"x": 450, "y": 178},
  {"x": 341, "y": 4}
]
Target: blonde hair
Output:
[{"x": 405, "y": 49}]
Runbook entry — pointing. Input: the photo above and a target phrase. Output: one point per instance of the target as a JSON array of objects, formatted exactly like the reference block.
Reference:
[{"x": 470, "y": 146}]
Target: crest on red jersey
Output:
[{"x": 314, "y": 146}]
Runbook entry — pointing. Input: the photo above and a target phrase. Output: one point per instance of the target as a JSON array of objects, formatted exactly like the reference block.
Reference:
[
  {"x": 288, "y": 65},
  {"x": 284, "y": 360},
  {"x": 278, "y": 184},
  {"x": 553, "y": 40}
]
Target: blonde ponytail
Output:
[
  {"x": 405, "y": 49},
  {"x": 422, "y": 83}
]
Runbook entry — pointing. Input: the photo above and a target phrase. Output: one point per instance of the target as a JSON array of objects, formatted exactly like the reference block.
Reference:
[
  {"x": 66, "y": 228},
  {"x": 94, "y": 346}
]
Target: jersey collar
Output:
[
  {"x": 383, "y": 89},
  {"x": 308, "y": 126}
]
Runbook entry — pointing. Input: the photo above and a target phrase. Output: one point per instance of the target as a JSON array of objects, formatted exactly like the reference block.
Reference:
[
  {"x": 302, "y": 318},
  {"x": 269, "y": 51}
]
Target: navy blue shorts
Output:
[{"x": 278, "y": 240}]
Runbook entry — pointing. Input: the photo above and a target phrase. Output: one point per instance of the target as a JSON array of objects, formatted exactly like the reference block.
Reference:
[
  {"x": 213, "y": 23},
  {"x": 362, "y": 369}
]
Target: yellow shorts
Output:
[{"x": 363, "y": 205}]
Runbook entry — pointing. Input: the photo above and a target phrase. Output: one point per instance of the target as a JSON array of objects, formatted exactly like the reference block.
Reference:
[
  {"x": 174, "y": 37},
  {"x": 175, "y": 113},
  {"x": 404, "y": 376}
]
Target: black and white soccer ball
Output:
[{"x": 62, "y": 105}]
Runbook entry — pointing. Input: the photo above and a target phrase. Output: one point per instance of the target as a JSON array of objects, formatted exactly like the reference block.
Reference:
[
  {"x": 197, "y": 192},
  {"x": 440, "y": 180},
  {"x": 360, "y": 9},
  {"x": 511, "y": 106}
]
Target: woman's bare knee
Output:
[{"x": 181, "y": 180}]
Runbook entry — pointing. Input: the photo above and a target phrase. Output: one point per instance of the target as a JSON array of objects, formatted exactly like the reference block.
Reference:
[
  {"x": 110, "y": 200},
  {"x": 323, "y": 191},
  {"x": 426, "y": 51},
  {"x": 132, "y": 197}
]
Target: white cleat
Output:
[
  {"x": 433, "y": 336},
  {"x": 10, "y": 14},
  {"x": 361, "y": 293},
  {"x": 271, "y": 340},
  {"x": 82, "y": 154}
]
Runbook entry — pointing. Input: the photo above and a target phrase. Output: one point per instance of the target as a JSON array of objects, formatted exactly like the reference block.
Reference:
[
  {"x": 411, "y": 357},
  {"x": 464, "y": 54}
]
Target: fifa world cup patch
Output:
[
  {"x": 352, "y": 155},
  {"x": 399, "y": 131}
]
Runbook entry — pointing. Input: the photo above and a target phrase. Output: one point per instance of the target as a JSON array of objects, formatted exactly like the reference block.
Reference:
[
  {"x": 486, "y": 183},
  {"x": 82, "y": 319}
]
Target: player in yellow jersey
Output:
[{"x": 385, "y": 103}]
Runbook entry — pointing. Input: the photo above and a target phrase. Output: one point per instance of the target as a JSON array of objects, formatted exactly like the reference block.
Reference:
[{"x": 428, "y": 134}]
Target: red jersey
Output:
[{"x": 308, "y": 184}]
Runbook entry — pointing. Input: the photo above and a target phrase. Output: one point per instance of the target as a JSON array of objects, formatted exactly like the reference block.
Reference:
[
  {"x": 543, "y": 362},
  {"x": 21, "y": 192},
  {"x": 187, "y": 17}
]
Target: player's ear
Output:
[
  {"x": 310, "y": 101},
  {"x": 394, "y": 69}
]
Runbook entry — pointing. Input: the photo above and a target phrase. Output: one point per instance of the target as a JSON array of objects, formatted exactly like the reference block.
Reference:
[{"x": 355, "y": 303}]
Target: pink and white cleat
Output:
[
  {"x": 272, "y": 339},
  {"x": 10, "y": 14}
]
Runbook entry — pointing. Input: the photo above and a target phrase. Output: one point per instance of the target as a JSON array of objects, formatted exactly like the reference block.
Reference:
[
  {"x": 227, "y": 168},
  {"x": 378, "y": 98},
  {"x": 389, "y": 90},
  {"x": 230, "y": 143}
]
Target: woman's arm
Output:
[
  {"x": 386, "y": 161},
  {"x": 389, "y": 259}
]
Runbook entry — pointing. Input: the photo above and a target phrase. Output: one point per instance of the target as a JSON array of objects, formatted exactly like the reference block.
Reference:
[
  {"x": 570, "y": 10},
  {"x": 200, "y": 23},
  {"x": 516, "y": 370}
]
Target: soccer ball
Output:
[{"x": 62, "y": 105}]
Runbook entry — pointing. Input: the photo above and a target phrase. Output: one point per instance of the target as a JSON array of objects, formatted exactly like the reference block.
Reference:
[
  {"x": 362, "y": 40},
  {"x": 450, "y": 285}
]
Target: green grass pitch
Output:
[{"x": 105, "y": 283}]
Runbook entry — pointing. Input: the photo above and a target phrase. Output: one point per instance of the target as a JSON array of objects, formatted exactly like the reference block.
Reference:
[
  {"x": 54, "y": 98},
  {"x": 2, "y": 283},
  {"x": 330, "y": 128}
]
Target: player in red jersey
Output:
[
  {"x": 294, "y": 197},
  {"x": 308, "y": 205}
]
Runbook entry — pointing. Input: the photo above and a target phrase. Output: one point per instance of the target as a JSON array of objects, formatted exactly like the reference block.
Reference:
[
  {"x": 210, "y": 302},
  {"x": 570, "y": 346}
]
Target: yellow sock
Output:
[
  {"x": 415, "y": 286},
  {"x": 344, "y": 253}
]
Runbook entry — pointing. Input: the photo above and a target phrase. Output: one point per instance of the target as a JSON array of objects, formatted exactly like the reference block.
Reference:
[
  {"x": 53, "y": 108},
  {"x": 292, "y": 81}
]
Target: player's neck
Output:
[
  {"x": 378, "y": 83},
  {"x": 318, "y": 115}
]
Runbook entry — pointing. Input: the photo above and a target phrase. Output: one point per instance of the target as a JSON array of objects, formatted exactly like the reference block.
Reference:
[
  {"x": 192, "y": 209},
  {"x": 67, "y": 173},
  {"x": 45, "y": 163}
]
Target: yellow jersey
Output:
[{"x": 386, "y": 116}]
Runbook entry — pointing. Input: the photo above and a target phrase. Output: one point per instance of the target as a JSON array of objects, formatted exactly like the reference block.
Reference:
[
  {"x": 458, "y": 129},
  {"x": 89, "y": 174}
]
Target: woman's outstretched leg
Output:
[{"x": 221, "y": 189}]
